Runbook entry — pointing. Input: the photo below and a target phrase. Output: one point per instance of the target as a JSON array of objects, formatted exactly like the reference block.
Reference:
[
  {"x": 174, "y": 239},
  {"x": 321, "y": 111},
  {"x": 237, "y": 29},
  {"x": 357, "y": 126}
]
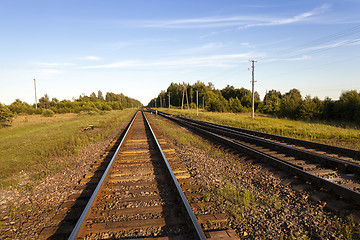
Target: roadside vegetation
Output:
[
  {"x": 322, "y": 132},
  {"x": 34, "y": 146},
  {"x": 47, "y": 106},
  {"x": 290, "y": 105}
]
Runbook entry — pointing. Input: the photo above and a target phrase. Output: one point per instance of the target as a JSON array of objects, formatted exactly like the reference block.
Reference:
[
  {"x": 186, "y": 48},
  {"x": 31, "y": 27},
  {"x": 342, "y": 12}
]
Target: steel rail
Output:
[
  {"x": 304, "y": 143},
  {"x": 326, "y": 160},
  {"x": 230, "y": 132},
  {"x": 79, "y": 223},
  {"x": 323, "y": 183},
  {"x": 195, "y": 223}
]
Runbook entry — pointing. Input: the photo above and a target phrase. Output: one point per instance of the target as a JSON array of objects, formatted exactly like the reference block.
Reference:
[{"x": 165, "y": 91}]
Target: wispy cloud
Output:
[
  {"x": 92, "y": 58},
  {"x": 201, "y": 49},
  {"x": 49, "y": 72},
  {"x": 50, "y": 69},
  {"x": 243, "y": 21},
  {"x": 205, "y": 61},
  {"x": 342, "y": 43},
  {"x": 297, "y": 18},
  {"x": 301, "y": 58},
  {"x": 52, "y": 64}
]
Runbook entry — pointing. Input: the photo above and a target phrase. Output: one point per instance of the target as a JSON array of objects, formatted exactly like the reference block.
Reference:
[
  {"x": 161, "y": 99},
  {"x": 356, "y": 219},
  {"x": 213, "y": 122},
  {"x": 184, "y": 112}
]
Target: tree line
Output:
[
  {"x": 290, "y": 104},
  {"x": 93, "y": 103}
]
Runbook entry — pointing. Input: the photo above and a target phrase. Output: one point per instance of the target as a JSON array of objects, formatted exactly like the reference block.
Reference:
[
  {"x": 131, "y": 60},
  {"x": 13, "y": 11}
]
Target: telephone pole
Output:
[
  {"x": 197, "y": 103},
  {"x": 169, "y": 100},
  {"x": 253, "y": 86},
  {"x": 182, "y": 101},
  {"x": 35, "y": 94},
  {"x": 187, "y": 99}
]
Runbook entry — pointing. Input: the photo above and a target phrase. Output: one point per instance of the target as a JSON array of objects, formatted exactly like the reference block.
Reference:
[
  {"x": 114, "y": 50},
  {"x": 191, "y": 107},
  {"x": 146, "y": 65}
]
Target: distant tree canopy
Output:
[
  {"x": 290, "y": 105},
  {"x": 209, "y": 98},
  {"x": 85, "y": 103}
]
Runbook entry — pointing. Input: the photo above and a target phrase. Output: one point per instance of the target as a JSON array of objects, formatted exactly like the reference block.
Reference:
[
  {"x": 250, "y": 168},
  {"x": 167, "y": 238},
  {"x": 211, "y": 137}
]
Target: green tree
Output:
[
  {"x": 235, "y": 105},
  {"x": 53, "y": 102},
  {"x": 100, "y": 96},
  {"x": 6, "y": 116},
  {"x": 349, "y": 104},
  {"x": 44, "y": 101},
  {"x": 290, "y": 104},
  {"x": 310, "y": 109},
  {"x": 215, "y": 102},
  {"x": 272, "y": 100},
  {"x": 329, "y": 112},
  {"x": 93, "y": 97},
  {"x": 19, "y": 106}
]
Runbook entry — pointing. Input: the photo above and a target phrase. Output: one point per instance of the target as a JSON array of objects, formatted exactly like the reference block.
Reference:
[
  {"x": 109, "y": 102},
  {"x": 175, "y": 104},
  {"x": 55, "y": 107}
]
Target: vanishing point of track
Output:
[{"x": 138, "y": 192}]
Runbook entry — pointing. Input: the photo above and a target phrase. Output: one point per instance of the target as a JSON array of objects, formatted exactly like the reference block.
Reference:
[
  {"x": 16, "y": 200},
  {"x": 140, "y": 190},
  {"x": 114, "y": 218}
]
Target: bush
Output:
[
  {"x": 5, "y": 114},
  {"x": 21, "y": 107},
  {"x": 48, "y": 113}
]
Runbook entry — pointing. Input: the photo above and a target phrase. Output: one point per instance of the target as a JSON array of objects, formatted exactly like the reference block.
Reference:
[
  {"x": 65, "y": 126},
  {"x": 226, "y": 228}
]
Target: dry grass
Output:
[
  {"x": 327, "y": 133},
  {"x": 32, "y": 144}
]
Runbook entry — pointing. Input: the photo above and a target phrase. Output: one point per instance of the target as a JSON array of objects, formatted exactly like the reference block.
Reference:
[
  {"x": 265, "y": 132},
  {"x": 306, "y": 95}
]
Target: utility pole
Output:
[
  {"x": 35, "y": 94},
  {"x": 197, "y": 103},
  {"x": 253, "y": 86},
  {"x": 204, "y": 101},
  {"x": 169, "y": 100},
  {"x": 182, "y": 101},
  {"x": 187, "y": 99}
]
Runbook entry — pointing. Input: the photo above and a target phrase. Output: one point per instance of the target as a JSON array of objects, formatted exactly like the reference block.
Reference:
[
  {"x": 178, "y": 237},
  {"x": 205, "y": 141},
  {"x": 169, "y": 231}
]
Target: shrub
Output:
[
  {"x": 5, "y": 114},
  {"x": 48, "y": 113}
]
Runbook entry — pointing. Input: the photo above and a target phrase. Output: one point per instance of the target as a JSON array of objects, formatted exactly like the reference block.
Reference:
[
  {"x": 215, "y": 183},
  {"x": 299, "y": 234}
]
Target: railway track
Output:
[
  {"x": 335, "y": 169},
  {"x": 141, "y": 194},
  {"x": 138, "y": 194}
]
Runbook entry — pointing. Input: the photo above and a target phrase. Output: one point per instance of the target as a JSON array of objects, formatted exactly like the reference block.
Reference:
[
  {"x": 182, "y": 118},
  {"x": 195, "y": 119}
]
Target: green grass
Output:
[
  {"x": 31, "y": 147},
  {"x": 272, "y": 200},
  {"x": 231, "y": 192},
  {"x": 327, "y": 133},
  {"x": 349, "y": 228}
]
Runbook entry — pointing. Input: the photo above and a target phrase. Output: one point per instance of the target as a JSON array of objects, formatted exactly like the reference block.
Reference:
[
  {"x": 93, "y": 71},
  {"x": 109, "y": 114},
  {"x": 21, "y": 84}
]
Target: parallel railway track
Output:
[{"x": 334, "y": 169}]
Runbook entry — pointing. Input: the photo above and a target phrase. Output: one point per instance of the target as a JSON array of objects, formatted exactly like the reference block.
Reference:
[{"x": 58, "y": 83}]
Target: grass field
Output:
[
  {"x": 32, "y": 144},
  {"x": 328, "y": 133}
]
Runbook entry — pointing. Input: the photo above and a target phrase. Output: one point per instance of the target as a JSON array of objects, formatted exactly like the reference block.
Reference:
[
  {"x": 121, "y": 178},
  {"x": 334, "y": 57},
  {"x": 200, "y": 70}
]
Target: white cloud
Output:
[
  {"x": 211, "y": 46},
  {"x": 301, "y": 58},
  {"x": 243, "y": 21},
  {"x": 52, "y": 64},
  {"x": 201, "y": 49},
  {"x": 44, "y": 73},
  {"x": 224, "y": 60},
  {"x": 333, "y": 45},
  {"x": 92, "y": 58},
  {"x": 298, "y": 18}
]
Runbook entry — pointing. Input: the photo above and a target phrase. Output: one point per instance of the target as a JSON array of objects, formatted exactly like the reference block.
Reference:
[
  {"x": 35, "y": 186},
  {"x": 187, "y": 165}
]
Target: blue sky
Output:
[{"x": 139, "y": 47}]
